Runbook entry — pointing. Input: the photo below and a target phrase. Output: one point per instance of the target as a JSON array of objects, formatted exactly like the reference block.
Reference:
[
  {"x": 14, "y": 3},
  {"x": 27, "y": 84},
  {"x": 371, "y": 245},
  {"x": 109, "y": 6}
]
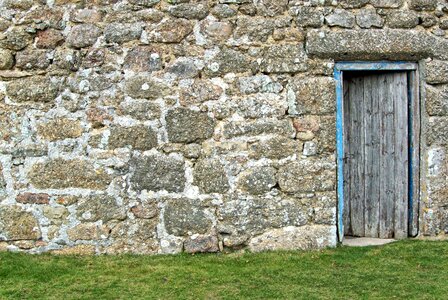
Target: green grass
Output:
[{"x": 410, "y": 269}]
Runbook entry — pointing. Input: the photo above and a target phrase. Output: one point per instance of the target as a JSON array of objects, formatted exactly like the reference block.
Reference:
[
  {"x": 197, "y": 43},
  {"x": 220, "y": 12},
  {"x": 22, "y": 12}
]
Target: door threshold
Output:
[{"x": 365, "y": 241}]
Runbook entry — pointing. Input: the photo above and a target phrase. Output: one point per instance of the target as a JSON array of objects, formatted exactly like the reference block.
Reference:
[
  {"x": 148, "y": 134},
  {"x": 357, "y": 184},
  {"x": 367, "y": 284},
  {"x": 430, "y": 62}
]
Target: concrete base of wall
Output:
[{"x": 364, "y": 241}]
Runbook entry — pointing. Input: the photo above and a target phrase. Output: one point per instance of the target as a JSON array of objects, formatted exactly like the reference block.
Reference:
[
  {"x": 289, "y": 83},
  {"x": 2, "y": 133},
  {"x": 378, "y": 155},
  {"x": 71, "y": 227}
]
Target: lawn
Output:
[{"x": 410, "y": 269}]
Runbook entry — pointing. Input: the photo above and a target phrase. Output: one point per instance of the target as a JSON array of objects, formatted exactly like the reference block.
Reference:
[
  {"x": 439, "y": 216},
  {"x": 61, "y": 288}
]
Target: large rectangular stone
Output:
[
  {"x": 423, "y": 4},
  {"x": 436, "y": 133},
  {"x": 437, "y": 100},
  {"x": 158, "y": 172},
  {"x": 284, "y": 59},
  {"x": 315, "y": 95},
  {"x": 292, "y": 238},
  {"x": 437, "y": 72},
  {"x": 60, "y": 174},
  {"x": 17, "y": 224},
  {"x": 391, "y": 44},
  {"x": 257, "y": 215},
  {"x": 259, "y": 127},
  {"x": 386, "y": 3},
  {"x": 308, "y": 176},
  {"x": 59, "y": 129},
  {"x": 36, "y": 89}
]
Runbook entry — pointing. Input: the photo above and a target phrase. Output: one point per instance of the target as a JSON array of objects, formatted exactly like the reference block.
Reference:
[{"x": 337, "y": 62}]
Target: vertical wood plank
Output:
[
  {"x": 415, "y": 108},
  {"x": 346, "y": 169},
  {"x": 376, "y": 145},
  {"x": 387, "y": 178},
  {"x": 368, "y": 154},
  {"x": 401, "y": 155},
  {"x": 356, "y": 94},
  {"x": 372, "y": 157}
]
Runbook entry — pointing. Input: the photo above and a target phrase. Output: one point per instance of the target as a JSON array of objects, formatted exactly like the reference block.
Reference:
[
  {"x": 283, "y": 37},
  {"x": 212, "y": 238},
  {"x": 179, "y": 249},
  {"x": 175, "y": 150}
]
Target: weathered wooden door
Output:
[{"x": 376, "y": 168}]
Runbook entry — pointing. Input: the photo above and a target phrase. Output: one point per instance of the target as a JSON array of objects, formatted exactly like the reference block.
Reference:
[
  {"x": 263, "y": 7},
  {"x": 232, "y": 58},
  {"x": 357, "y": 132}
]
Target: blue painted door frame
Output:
[{"x": 339, "y": 69}]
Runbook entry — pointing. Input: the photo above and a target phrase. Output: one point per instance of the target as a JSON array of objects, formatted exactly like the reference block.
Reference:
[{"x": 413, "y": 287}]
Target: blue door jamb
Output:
[
  {"x": 338, "y": 73},
  {"x": 340, "y": 150}
]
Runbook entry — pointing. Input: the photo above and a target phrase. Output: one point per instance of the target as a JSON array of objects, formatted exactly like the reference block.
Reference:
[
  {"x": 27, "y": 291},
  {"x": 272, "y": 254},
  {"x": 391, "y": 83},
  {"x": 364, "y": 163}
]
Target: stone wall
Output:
[{"x": 161, "y": 126}]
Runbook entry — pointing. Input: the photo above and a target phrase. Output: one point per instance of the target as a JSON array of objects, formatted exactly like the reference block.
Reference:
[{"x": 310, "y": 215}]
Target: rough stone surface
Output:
[
  {"x": 86, "y": 232},
  {"x": 200, "y": 91},
  {"x": 100, "y": 207},
  {"x": 59, "y": 129},
  {"x": 189, "y": 10},
  {"x": 307, "y": 175},
  {"x": 16, "y": 39},
  {"x": 400, "y": 19},
  {"x": 312, "y": 96},
  {"x": 56, "y": 215},
  {"x": 98, "y": 117},
  {"x": 257, "y": 106},
  {"x": 428, "y": 20},
  {"x": 83, "y": 35},
  {"x": 437, "y": 100},
  {"x": 228, "y": 61},
  {"x": 170, "y": 31},
  {"x": 86, "y": 16},
  {"x": 201, "y": 244},
  {"x": 36, "y": 89},
  {"x": 437, "y": 72},
  {"x": 60, "y": 174},
  {"x": 134, "y": 236},
  {"x": 375, "y": 44},
  {"x": 223, "y": 11},
  {"x": 17, "y": 224},
  {"x": 386, "y": 3},
  {"x": 142, "y": 59},
  {"x": 29, "y": 60},
  {"x": 32, "y": 198},
  {"x": 68, "y": 59},
  {"x": 6, "y": 59},
  {"x": 341, "y": 18},
  {"x": 257, "y": 180},
  {"x": 241, "y": 128},
  {"x": 243, "y": 217},
  {"x": 159, "y": 172},
  {"x": 145, "y": 88},
  {"x": 284, "y": 59},
  {"x": 437, "y": 135},
  {"x": 215, "y": 32},
  {"x": 137, "y": 137},
  {"x": 184, "y": 216},
  {"x": 18, "y": 4},
  {"x": 423, "y": 4},
  {"x": 314, "y": 129},
  {"x": 275, "y": 148},
  {"x": 368, "y": 18},
  {"x": 145, "y": 210},
  {"x": 187, "y": 126},
  {"x": 76, "y": 250},
  {"x": 140, "y": 110},
  {"x": 290, "y": 238},
  {"x": 144, "y": 3},
  {"x": 156, "y": 127},
  {"x": 120, "y": 33},
  {"x": 271, "y": 7},
  {"x": 210, "y": 176},
  {"x": 309, "y": 17},
  {"x": 184, "y": 68},
  {"x": 258, "y": 84},
  {"x": 353, "y": 3}
]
